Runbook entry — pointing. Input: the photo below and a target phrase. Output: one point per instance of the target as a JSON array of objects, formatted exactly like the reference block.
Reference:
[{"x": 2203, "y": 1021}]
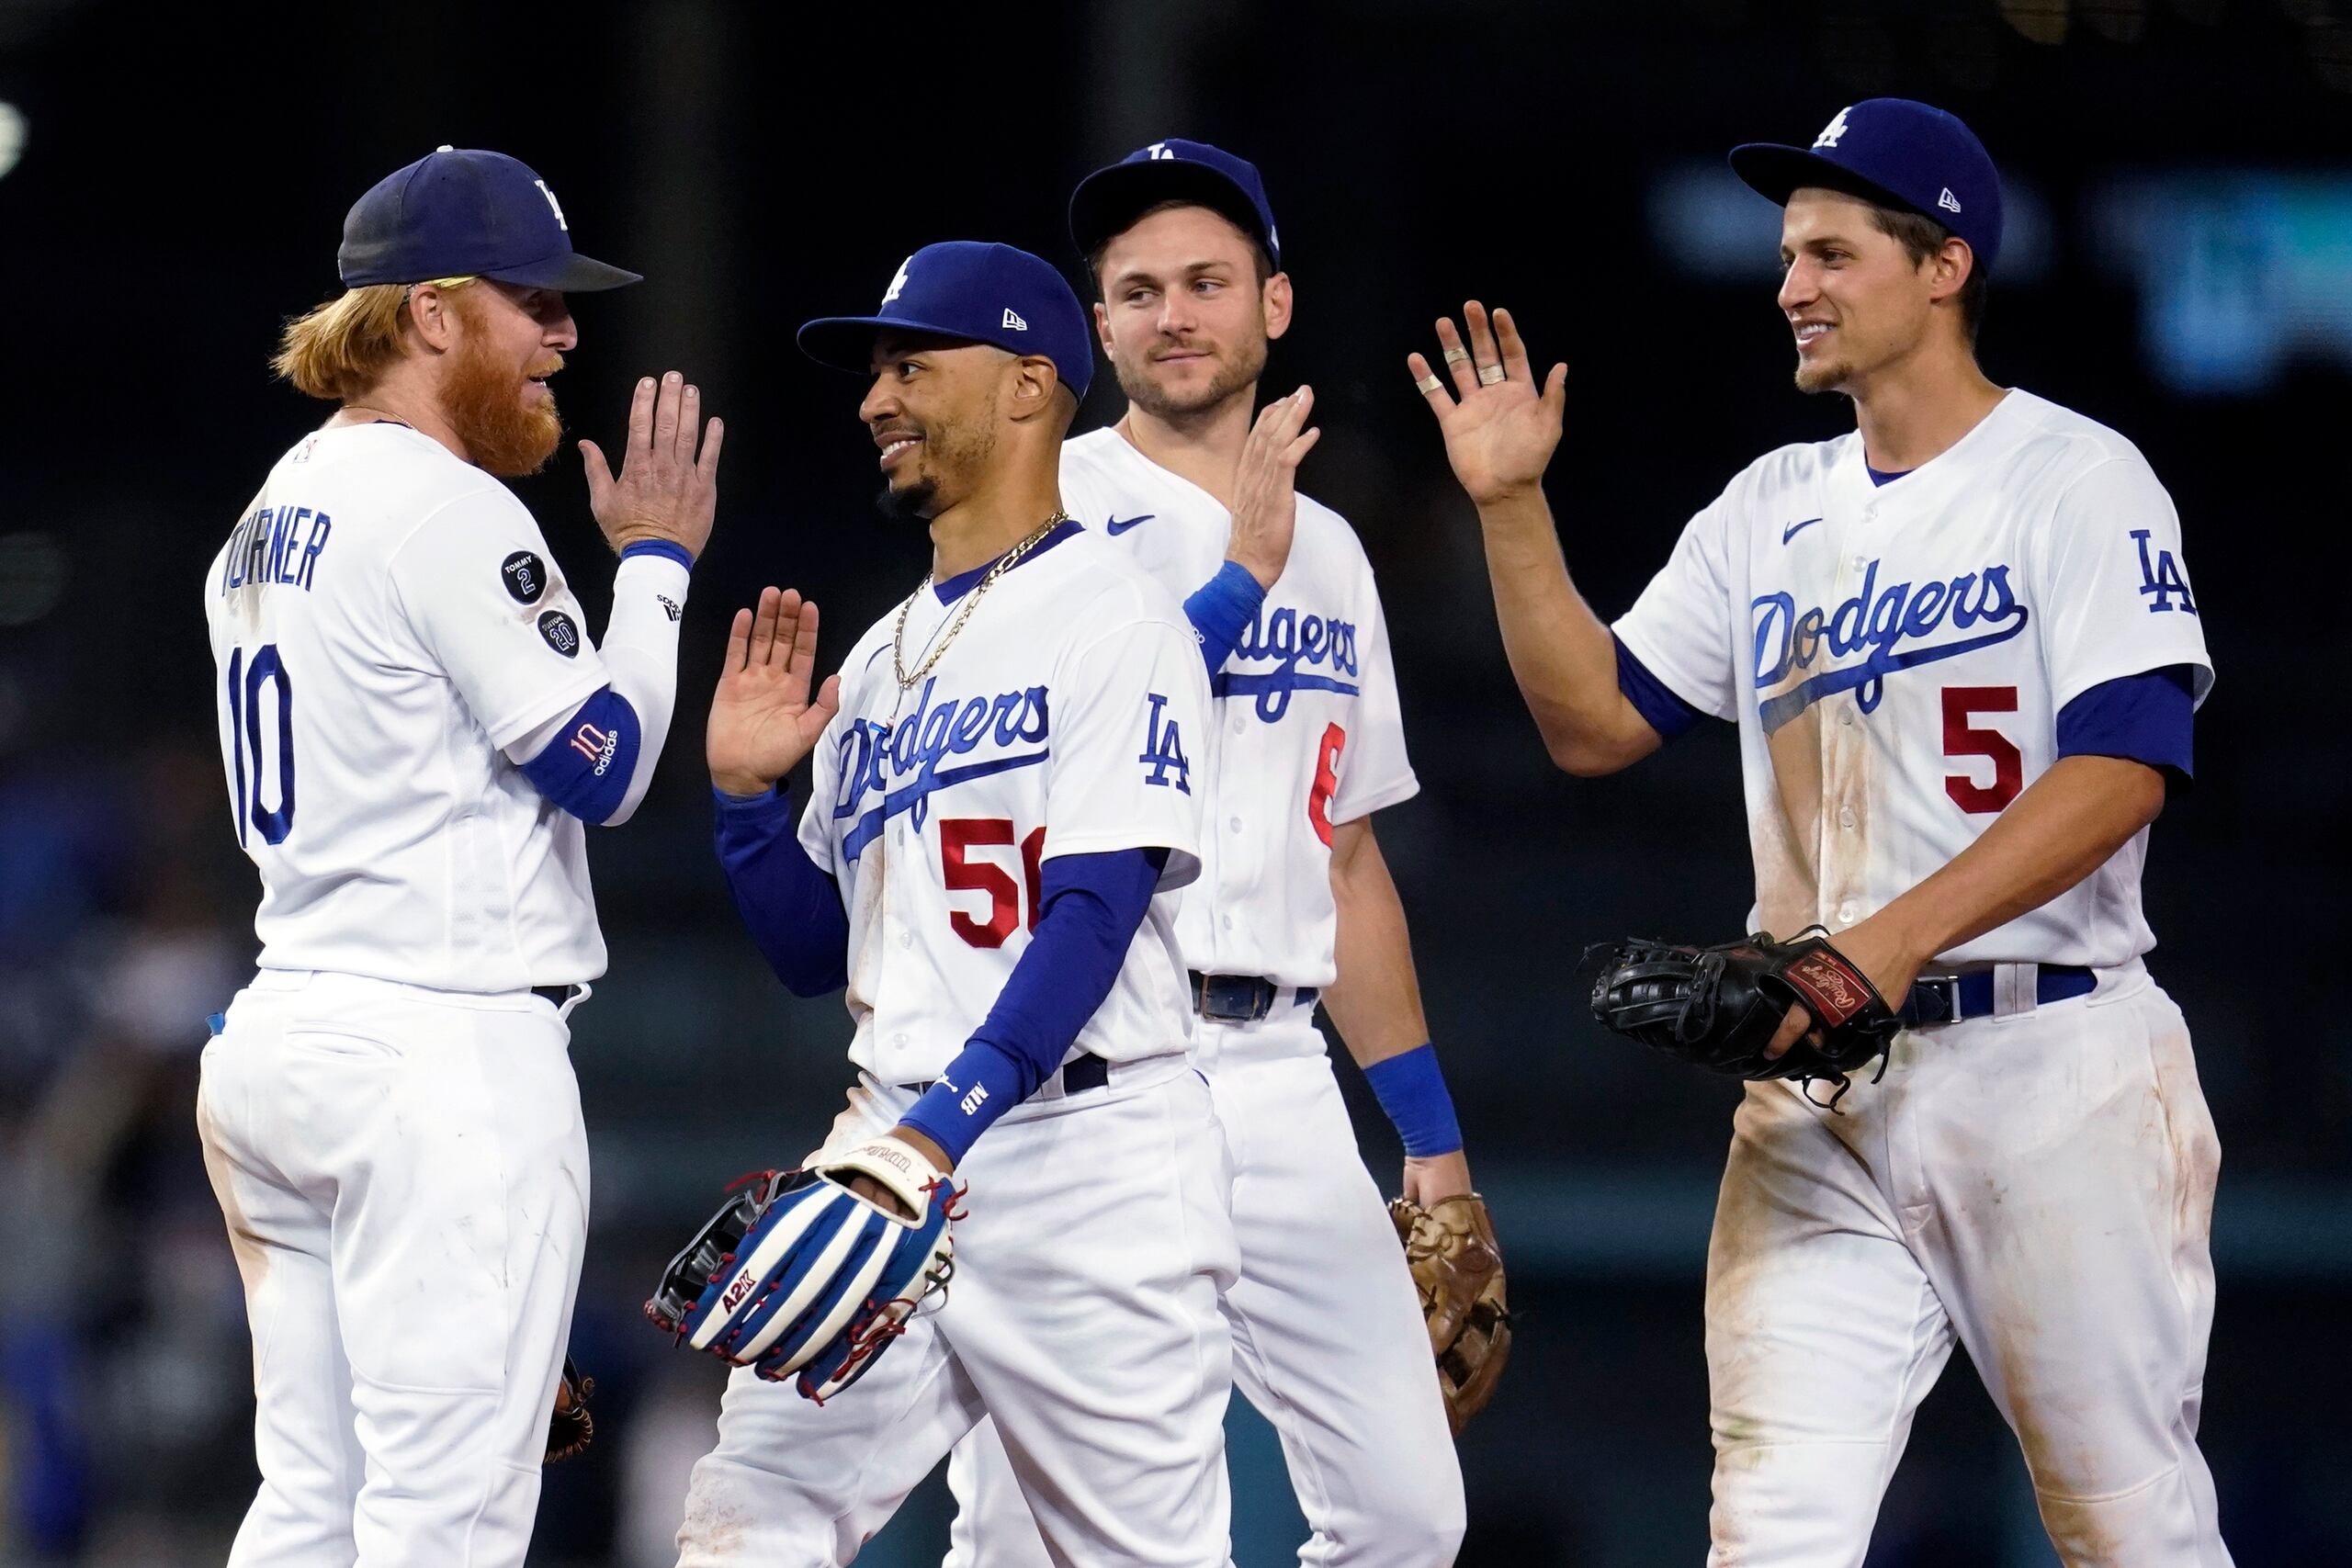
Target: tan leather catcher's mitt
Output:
[{"x": 1458, "y": 1270}]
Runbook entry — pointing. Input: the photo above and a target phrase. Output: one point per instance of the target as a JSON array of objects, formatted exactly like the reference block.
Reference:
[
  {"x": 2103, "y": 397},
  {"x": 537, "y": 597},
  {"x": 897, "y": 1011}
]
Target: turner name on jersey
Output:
[
  {"x": 1055, "y": 723},
  {"x": 1305, "y": 731},
  {"x": 385, "y": 622},
  {"x": 1896, "y": 656}
]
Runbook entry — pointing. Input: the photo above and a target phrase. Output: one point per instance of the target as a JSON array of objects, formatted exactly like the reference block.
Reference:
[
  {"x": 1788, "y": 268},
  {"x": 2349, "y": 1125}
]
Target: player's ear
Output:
[
  {"x": 1102, "y": 324},
  {"x": 1275, "y": 298},
  {"x": 1032, "y": 386},
  {"x": 433, "y": 314},
  {"x": 1948, "y": 269}
]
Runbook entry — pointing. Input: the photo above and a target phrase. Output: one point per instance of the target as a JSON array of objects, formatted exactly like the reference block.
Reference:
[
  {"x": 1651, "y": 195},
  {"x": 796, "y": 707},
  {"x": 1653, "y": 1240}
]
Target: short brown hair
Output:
[
  {"x": 339, "y": 350},
  {"x": 1263, "y": 263},
  {"x": 1922, "y": 237}
]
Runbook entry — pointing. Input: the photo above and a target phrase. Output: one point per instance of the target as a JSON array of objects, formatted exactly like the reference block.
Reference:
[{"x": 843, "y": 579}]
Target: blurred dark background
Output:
[{"x": 2180, "y": 267}]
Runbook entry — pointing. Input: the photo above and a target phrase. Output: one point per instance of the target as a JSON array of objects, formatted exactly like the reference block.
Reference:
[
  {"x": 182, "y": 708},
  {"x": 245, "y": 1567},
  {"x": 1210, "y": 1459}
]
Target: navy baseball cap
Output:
[
  {"x": 459, "y": 212},
  {"x": 1108, "y": 200},
  {"x": 973, "y": 290},
  {"x": 1897, "y": 153}
]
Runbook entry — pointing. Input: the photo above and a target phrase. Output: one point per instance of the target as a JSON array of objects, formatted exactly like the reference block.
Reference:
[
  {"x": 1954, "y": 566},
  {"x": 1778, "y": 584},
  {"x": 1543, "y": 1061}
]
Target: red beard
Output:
[{"x": 483, "y": 399}]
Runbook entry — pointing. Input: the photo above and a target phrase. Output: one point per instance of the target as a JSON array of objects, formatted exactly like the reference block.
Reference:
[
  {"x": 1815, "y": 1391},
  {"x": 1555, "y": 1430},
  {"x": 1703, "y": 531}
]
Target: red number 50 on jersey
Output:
[
  {"x": 958, "y": 836},
  {"x": 1963, "y": 739}
]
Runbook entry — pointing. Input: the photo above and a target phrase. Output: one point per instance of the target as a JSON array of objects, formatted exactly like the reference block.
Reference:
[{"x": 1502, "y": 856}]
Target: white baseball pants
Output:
[
  {"x": 405, "y": 1180},
  {"x": 1327, "y": 1337},
  {"x": 2037, "y": 1186},
  {"x": 1082, "y": 1316}
]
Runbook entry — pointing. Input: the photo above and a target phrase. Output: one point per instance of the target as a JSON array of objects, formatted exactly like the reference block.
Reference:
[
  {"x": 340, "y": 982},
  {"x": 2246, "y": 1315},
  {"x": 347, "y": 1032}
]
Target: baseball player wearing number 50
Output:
[
  {"x": 1963, "y": 652},
  {"x": 1306, "y": 743},
  {"x": 1004, "y": 800},
  {"x": 415, "y": 727}
]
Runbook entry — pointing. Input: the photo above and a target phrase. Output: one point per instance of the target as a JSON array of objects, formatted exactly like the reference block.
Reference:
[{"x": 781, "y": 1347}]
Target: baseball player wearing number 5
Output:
[
  {"x": 1004, "y": 801},
  {"x": 415, "y": 727},
  {"x": 1963, "y": 652},
  {"x": 1295, "y": 902}
]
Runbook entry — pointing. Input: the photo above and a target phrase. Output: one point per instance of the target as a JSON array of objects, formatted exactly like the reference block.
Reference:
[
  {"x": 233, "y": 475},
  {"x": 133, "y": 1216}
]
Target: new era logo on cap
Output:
[
  {"x": 1898, "y": 152},
  {"x": 1012, "y": 322}
]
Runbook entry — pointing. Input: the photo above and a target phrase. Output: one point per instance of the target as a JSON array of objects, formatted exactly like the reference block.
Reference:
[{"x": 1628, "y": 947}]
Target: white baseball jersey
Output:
[
  {"x": 1058, "y": 721},
  {"x": 1896, "y": 656},
  {"x": 385, "y": 618},
  {"x": 1305, "y": 731}
]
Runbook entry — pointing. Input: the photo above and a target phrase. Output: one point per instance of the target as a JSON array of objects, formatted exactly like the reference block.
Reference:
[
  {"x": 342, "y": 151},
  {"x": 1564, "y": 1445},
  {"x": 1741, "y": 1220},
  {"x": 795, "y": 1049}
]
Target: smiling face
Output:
[
  {"x": 1185, "y": 317},
  {"x": 493, "y": 386},
  {"x": 933, "y": 410},
  {"x": 1851, "y": 292}
]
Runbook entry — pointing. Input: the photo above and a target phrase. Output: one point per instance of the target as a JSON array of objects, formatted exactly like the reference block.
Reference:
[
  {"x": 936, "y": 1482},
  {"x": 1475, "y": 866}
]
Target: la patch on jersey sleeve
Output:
[
  {"x": 2114, "y": 581},
  {"x": 479, "y": 587},
  {"x": 1130, "y": 739}
]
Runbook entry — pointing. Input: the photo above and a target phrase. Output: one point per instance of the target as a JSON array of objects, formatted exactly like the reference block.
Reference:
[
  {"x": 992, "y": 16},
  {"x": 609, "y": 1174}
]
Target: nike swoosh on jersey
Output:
[
  {"x": 1794, "y": 529},
  {"x": 1115, "y": 526}
]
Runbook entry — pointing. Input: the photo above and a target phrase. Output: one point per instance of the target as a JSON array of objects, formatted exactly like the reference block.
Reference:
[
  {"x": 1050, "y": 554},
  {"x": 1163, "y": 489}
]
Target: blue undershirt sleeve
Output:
[
  {"x": 791, "y": 906},
  {"x": 587, "y": 767},
  {"x": 1091, "y": 906},
  {"x": 1652, "y": 698},
  {"x": 1220, "y": 608},
  {"x": 2146, "y": 717}
]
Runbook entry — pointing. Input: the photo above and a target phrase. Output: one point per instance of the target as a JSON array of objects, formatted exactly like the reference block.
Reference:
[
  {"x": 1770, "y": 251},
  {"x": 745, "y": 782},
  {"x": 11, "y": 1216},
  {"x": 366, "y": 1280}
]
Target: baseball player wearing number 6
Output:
[
  {"x": 415, "y": 727},
  {"x": 1962, "y": 653},
  {"x": 1004, "y": 800},
  {"x": 1295, "y": 902}
]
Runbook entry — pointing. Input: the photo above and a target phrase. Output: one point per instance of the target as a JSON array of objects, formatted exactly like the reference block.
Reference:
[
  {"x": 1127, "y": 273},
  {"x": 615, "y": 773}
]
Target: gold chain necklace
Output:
[{"x": 1001, "y": 565}]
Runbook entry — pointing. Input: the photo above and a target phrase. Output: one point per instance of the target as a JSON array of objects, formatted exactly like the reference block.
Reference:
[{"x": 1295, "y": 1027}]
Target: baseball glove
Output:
[
  {"x": 1456, "y": 1267},
  {"x": 569, "y": 1427},
  {"x": 801, "y": 1279},
  {"x": 1719, "y": 1007}
]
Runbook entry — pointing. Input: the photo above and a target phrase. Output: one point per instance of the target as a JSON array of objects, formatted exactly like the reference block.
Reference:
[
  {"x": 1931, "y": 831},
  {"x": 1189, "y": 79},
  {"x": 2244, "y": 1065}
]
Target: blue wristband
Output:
[
  {"x": 1411, "y": 1089},
  {"x": 981, "y": 1084},
  {"x": 1221, "y": 609},
  {"x": 675, "y": 551}
]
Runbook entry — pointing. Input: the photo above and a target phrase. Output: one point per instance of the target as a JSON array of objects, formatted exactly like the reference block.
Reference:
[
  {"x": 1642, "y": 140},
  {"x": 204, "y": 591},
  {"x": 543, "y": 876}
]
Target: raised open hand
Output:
[
  {"x": 665, "y": 490},
  {"x": 763, "y": 721},
  {"x": 1501, "y": 431},
  {"x": 1265, "y": 486}
]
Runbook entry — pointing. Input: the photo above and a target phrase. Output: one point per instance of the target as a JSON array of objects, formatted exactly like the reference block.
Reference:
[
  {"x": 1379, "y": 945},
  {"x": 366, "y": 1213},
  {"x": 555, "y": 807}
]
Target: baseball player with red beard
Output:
[{"x": 415, "y": 727}]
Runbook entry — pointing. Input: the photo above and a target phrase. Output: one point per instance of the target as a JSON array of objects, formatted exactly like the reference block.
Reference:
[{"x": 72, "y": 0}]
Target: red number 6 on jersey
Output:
[{"x": 1327, "y": 780}]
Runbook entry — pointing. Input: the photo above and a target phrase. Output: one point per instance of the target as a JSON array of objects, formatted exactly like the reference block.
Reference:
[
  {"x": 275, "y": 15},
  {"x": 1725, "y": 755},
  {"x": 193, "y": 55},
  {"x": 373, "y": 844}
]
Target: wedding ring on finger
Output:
[
  {"x": 1490, "y": 374},
  {"x": 1457, "y": 356},
  {"x": 1428, "y": 383}
]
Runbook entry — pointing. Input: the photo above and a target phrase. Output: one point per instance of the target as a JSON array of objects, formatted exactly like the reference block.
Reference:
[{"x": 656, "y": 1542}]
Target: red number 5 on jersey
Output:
[{"x": 1963, "y": 739}]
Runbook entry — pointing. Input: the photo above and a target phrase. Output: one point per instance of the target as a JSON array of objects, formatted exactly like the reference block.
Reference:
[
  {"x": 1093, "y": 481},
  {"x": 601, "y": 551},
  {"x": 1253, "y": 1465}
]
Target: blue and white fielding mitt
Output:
[{"x": 798, "y": 1277}]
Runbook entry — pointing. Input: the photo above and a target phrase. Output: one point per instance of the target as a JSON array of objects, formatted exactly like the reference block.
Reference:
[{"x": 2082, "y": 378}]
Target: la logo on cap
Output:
[
  {"x": 1832, "y": 131},
  {"x": 897, "y": 280}
]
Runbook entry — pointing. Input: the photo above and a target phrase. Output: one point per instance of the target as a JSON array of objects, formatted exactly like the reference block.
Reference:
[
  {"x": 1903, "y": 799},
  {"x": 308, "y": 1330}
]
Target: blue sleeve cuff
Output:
[
  {"x": 586, "y": 768},
  {"x": 791, "y": 906},
  {"x": 1221, "y": 609},
  {"x": 1411, "y": 1089},
  {"x": 1652, "y": 698},
  {"x": 982, "y": 1083},
  {"x": 2148, "y": 717},
  {"x": 665, "y": 547}
]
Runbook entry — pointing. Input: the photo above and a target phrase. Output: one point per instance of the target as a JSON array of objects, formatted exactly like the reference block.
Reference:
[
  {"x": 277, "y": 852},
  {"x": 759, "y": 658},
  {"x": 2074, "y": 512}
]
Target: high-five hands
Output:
[
  {"x": 763, "y": 721},
  {"x": 665, "y": 490},
  {"x": 1265, "y": 486},
  {"x": 1500, "y": 433}
]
